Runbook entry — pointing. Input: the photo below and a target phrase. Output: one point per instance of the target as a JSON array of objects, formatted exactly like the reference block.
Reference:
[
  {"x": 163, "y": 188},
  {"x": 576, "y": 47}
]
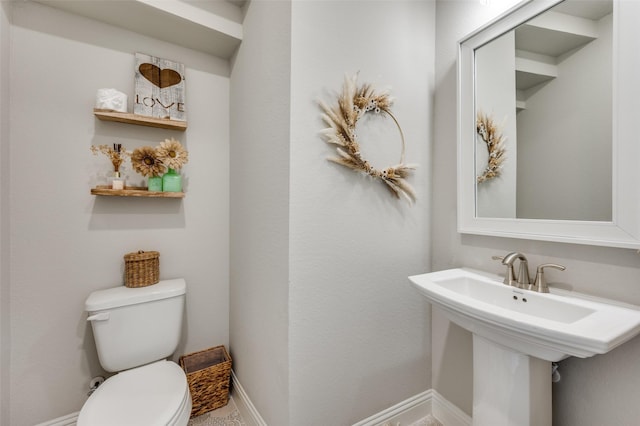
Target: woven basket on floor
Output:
[
  {"x": 141, "y": 269},
  {"x": 208, "y": 373}
]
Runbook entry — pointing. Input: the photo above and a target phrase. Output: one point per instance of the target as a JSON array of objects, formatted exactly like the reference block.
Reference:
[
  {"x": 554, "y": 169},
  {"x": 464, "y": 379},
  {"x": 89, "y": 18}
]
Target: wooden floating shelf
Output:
[
  {"x": 134, "y": 191},
  {"x": 141, "y": 120}
]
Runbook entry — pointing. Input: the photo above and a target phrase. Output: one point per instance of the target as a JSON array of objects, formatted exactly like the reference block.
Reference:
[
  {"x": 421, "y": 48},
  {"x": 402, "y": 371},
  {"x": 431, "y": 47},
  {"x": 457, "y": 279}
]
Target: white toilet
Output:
[{"x": 135, "y": 330}]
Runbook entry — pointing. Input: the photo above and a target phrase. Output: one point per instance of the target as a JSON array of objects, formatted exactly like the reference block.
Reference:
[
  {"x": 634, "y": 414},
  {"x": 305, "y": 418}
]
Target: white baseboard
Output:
[
  {"x": 447, "y": 413},
  {"x": 246, "y": 408},
  {"x": 416, "y": 408},
  {"x": 68, "y": 420},
  {"x": 406, "y": 412}
]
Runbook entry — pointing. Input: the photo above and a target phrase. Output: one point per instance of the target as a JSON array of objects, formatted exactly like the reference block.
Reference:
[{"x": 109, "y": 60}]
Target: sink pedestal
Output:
[{"x": 509, "y": 388}]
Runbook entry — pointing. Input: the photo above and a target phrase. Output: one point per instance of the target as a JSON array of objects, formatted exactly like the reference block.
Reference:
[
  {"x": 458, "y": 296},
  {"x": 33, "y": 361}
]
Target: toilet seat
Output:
[{"x": 156, "y": 394}]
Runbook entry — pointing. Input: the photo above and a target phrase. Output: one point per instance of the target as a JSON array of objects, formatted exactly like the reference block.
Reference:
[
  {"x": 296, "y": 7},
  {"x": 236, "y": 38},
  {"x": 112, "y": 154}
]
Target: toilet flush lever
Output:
[{"x": 102, "y": 316}]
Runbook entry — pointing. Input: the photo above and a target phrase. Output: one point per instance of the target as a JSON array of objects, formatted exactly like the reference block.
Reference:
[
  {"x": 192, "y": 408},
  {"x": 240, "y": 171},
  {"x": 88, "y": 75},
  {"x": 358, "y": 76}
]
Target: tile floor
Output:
[
  {"x": 223, "y": 416},
  {"x": 229, "y": 416},
  {"x": 427, "y": 421}
]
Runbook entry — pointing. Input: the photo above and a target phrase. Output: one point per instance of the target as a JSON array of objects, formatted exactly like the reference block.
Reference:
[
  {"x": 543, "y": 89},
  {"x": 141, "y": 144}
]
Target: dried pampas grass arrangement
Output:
[
  {"x": 117, "y": 154},
  {"x": 492, "y": 137},
  {"x": 352, "y": 104}
]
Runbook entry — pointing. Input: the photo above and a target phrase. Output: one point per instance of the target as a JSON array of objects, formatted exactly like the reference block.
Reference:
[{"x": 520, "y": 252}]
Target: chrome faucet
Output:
[
  {"x": 523, "y": 271},
  {"x": 523, "y": 281}
]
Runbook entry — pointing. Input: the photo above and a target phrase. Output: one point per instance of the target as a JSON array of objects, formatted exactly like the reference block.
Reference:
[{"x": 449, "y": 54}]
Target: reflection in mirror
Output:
[
  {"x": 618, "y": 228},
  {"x": 547, "y": 87}
]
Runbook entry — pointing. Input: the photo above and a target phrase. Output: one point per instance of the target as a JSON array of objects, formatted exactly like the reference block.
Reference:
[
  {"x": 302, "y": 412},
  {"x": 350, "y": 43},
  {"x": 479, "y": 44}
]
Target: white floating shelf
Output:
[
  {"x": 554, "y": 34},
  {"x": 543, "y": 42},
  {"x": 216, "y": 30},
  {"x": 531, "y": 72}
]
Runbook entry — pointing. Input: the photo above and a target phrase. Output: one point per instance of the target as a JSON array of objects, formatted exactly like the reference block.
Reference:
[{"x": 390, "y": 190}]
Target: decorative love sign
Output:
[{"x": 159, "y": 88}]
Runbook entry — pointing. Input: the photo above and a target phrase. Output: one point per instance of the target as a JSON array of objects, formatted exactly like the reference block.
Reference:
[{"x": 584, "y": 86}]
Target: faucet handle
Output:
[
  {"x": 540, "y": 284},
  {"x": 510, "y": 276}
]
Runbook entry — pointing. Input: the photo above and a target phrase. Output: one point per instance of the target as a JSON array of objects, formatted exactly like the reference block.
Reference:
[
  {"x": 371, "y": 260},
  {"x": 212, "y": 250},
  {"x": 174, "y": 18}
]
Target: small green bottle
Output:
[
  {"x": 154, "y": 183},
  {"x": 172, "y": 181}
]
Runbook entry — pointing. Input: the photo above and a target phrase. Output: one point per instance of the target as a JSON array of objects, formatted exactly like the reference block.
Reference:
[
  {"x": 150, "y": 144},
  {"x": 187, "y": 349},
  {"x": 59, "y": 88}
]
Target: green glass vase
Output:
[
  {"x": 171, "y": 181},
  {"x": 154, "y": 183}
]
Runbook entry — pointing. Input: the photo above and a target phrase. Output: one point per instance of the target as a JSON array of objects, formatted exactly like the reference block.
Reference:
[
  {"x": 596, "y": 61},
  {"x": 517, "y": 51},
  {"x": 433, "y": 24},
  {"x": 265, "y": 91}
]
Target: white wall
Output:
[
  {"x": 260, "y": 119},
  {"x": 324, "y": 326},
  {"x": 574, "y": 145},
  {"x": 65, "y": 242},
  {"x": 592, "y": 391},
  {"x": 5, "y": 333},
  {"x": 359, "y": 334}
]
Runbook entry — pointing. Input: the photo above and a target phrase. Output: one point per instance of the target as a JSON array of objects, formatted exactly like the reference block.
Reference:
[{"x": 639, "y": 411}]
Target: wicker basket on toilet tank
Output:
[
  {"x": 141, "y": 269},
  {"x": 209, "y": 375}
]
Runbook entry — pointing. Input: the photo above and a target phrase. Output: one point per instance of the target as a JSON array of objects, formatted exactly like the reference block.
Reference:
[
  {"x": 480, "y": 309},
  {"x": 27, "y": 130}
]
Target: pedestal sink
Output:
[{"x": 518, "y": 333}]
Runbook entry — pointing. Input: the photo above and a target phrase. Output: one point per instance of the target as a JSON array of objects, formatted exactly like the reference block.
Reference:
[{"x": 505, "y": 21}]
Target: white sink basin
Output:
[{"x": 550, "y": 326}]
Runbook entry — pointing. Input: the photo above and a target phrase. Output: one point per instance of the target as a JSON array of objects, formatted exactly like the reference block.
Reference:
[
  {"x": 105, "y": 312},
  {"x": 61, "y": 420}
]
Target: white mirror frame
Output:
[{"x": 624, "y": 229}]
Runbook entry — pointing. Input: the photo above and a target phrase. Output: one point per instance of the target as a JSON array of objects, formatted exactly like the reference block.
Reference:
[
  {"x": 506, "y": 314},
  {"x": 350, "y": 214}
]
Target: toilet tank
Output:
[{"x": 136, "y": 326}]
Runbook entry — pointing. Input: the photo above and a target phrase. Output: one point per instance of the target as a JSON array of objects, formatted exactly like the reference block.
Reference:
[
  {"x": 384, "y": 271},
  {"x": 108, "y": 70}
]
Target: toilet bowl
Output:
[
  {"x": 153, "y": 395},
  {"x": 135, "y": 331}
]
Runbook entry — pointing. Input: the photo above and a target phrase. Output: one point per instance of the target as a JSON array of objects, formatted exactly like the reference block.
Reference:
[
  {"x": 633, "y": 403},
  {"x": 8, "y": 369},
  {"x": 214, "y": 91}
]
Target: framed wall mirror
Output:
[{"x": 548, "y": 145}]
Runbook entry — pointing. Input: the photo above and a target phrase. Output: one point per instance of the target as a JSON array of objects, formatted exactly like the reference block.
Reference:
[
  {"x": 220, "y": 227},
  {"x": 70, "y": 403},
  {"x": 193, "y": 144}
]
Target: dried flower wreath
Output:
[
  {"x": 492, "y": 137},
  {"x": 353, "y": 104}
]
